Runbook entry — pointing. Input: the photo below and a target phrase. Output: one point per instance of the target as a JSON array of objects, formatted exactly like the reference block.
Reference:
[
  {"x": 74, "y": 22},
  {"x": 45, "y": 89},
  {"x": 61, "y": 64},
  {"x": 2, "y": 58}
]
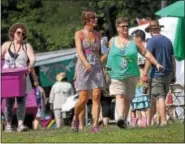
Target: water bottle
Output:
[
  {"x": 104, "y": 48},
  {"x": 13, "y": 63},
  {"x": 7, "y": 63},
  {"x": 38, "y": 96}
]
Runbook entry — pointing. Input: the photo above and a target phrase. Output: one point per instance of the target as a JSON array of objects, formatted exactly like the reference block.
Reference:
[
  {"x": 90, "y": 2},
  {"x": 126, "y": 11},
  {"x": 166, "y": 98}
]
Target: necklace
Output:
[
  {"x": 16, "y": 52},
  {"x": 123, "y": 45}
]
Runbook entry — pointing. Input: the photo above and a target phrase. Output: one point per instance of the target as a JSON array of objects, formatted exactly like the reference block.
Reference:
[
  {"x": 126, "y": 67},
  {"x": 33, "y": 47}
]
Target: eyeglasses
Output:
[
  {"x": 20, "y": 33},
  {"x": 123, "y": 26},
  {"x": 94, "y": 17}
]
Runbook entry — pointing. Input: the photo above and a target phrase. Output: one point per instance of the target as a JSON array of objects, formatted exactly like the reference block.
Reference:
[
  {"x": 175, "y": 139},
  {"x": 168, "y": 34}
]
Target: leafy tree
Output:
[{"x": 52, "y": 24}]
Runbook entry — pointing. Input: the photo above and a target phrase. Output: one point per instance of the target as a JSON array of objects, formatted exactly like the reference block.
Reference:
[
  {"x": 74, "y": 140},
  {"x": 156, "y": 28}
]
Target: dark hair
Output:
[
  {"x": 120, "y": 20},
  {"x": 139, "y": 34},
  {"x": 86, "y": 16}
]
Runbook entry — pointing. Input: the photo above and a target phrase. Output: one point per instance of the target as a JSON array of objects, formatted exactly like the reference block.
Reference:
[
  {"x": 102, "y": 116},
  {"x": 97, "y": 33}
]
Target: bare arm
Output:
[
  {"x": 104, "y": 57},
  {"x": 4, "y": 48},
  {"x": 52, "y": 95},
  {"x": 148, "y": 55},
  {"x": 146, "y": 68},
  {"x": 43, "y": 95},
  {"x": 34, "y": 75},
  {"x": 31, "y": 55}
]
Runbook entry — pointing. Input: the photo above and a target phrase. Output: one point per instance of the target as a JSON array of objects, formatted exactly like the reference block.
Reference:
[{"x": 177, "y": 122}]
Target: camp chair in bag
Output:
[{"x": 178, "y": 106}]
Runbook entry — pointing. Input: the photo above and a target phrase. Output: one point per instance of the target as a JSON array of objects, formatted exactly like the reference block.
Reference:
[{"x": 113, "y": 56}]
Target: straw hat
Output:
[
  {"x": 13, "y": 28},
  {"x": 153, "y": 24},
  {"x": 60, "y": 76}
]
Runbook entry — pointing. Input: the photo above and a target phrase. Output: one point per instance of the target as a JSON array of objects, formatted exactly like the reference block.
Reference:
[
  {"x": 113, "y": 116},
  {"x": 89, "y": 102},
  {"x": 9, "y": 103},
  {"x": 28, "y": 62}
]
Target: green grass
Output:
[{"x": 170, "y": 133}]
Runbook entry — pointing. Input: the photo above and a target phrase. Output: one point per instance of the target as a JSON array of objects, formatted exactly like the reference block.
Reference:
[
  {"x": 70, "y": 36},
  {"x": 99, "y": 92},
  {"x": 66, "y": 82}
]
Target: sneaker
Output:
[
  {"x": 8, "y": 129},
  {"x": 121, "y": 123},
  {"x": 22, "y": 128},
  {"x": 75, "y": 125},
  {"x": 95, "y": 129}
]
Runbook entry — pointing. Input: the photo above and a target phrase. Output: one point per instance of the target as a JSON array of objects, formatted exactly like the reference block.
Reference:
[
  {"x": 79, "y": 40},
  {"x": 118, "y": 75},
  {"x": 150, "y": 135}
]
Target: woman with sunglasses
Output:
[
  {"x": 89, "y": 74},
  {"x": 17, "y": 53},
  {"x": 123, "y": 68}
]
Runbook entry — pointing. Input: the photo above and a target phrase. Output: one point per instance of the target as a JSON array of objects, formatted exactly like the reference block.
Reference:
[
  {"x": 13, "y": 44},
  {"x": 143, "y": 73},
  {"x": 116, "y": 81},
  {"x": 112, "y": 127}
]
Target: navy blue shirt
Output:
[{"x": 162, "y": 49}]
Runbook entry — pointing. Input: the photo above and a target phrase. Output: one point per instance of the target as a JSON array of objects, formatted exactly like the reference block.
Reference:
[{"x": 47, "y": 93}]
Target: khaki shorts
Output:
[
  {"x": 124, "y": 87},
  {"x": 160, "y": 86}
]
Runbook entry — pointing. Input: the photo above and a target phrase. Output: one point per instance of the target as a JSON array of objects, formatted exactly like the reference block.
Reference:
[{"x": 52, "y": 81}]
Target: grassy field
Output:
[{"x": 171, "y": 133}]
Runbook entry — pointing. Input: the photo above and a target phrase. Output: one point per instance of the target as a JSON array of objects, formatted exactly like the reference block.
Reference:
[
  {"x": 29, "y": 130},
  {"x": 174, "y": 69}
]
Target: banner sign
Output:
[{"x": 47, "y": 73}]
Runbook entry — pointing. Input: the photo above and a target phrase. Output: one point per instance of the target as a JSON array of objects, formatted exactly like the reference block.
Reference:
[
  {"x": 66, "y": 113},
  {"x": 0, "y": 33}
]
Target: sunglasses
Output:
[
  {"x": 20, "y": 33},
  {"x": 94, "y": 17},
  {"x": 123, "y": 26}
]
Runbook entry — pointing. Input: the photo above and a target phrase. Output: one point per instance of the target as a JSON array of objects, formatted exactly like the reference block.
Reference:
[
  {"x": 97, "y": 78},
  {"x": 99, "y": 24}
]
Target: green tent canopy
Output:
[
  {"x": 174, "y": 10},
  {"x": 179, "y": 40}
]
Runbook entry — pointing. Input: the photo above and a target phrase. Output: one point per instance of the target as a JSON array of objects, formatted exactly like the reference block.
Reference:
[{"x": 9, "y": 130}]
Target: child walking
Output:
[
  {"x": 59, "y": 93},
  {"x": 41, "y": 101},
  {"x": 140, "y": 106},
  {"x": 141, "y": 103}
]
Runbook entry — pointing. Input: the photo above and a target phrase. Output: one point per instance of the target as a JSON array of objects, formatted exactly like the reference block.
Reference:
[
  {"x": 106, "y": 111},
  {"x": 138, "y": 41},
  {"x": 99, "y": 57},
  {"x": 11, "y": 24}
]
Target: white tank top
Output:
[{"x": 20, "y": 61}]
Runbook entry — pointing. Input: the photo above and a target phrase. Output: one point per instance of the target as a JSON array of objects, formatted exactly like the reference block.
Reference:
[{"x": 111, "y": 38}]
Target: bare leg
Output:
[
  {"x": 120, "y": 106},
  {"x": 157, "y": 111},
  {"x": 138, "y": 116},
  {"x": 82, "y": 118},
  {"x": 162, "y": 110},
  {"x": 36, "y": 123},
  {"x": 80, "y": 105},
  {"x": 96, "y": 105},
  {"x": 106, "y": 121},
  {"x": 144, "y": 118},
  {"x": 127, "y": 106},
  {"x": 153, "y": 110},
  {"x": 148, "y": 115}
]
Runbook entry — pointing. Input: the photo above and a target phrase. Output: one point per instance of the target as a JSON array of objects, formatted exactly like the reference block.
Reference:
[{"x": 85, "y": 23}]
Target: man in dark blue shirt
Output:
[{"x": 162, "y": 49}]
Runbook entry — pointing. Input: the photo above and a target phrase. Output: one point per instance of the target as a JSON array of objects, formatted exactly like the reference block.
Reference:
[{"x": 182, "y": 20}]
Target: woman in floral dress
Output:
[{"x": 89, "y": 74}]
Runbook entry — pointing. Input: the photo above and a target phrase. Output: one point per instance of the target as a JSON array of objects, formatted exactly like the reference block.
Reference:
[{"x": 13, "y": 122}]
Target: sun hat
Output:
[{"x": 153, "y": 24}]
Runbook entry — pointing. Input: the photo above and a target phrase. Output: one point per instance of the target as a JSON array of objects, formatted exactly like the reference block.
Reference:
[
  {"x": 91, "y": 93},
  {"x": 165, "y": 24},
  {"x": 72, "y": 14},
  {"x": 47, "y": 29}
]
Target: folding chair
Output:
[{"x": 178, "y": 106}]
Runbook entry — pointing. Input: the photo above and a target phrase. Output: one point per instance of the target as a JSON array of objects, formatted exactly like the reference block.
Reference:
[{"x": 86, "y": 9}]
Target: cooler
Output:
[{"x": 13, "y": 82}]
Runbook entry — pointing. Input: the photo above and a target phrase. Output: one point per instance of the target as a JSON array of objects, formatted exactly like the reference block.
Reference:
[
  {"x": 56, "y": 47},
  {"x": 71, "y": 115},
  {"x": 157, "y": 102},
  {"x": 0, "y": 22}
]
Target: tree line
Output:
[{"x": 52, "y": 24}]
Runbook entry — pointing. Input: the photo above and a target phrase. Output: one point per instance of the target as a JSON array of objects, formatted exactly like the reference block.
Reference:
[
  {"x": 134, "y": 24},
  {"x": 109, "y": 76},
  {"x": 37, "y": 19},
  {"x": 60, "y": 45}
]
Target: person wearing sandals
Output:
[
  {"x": 89, "y": 73},
  {"x": 59, "y": 93},
  {"x": 123, "y": 68},
  {"x": 17, "y": 53}
]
